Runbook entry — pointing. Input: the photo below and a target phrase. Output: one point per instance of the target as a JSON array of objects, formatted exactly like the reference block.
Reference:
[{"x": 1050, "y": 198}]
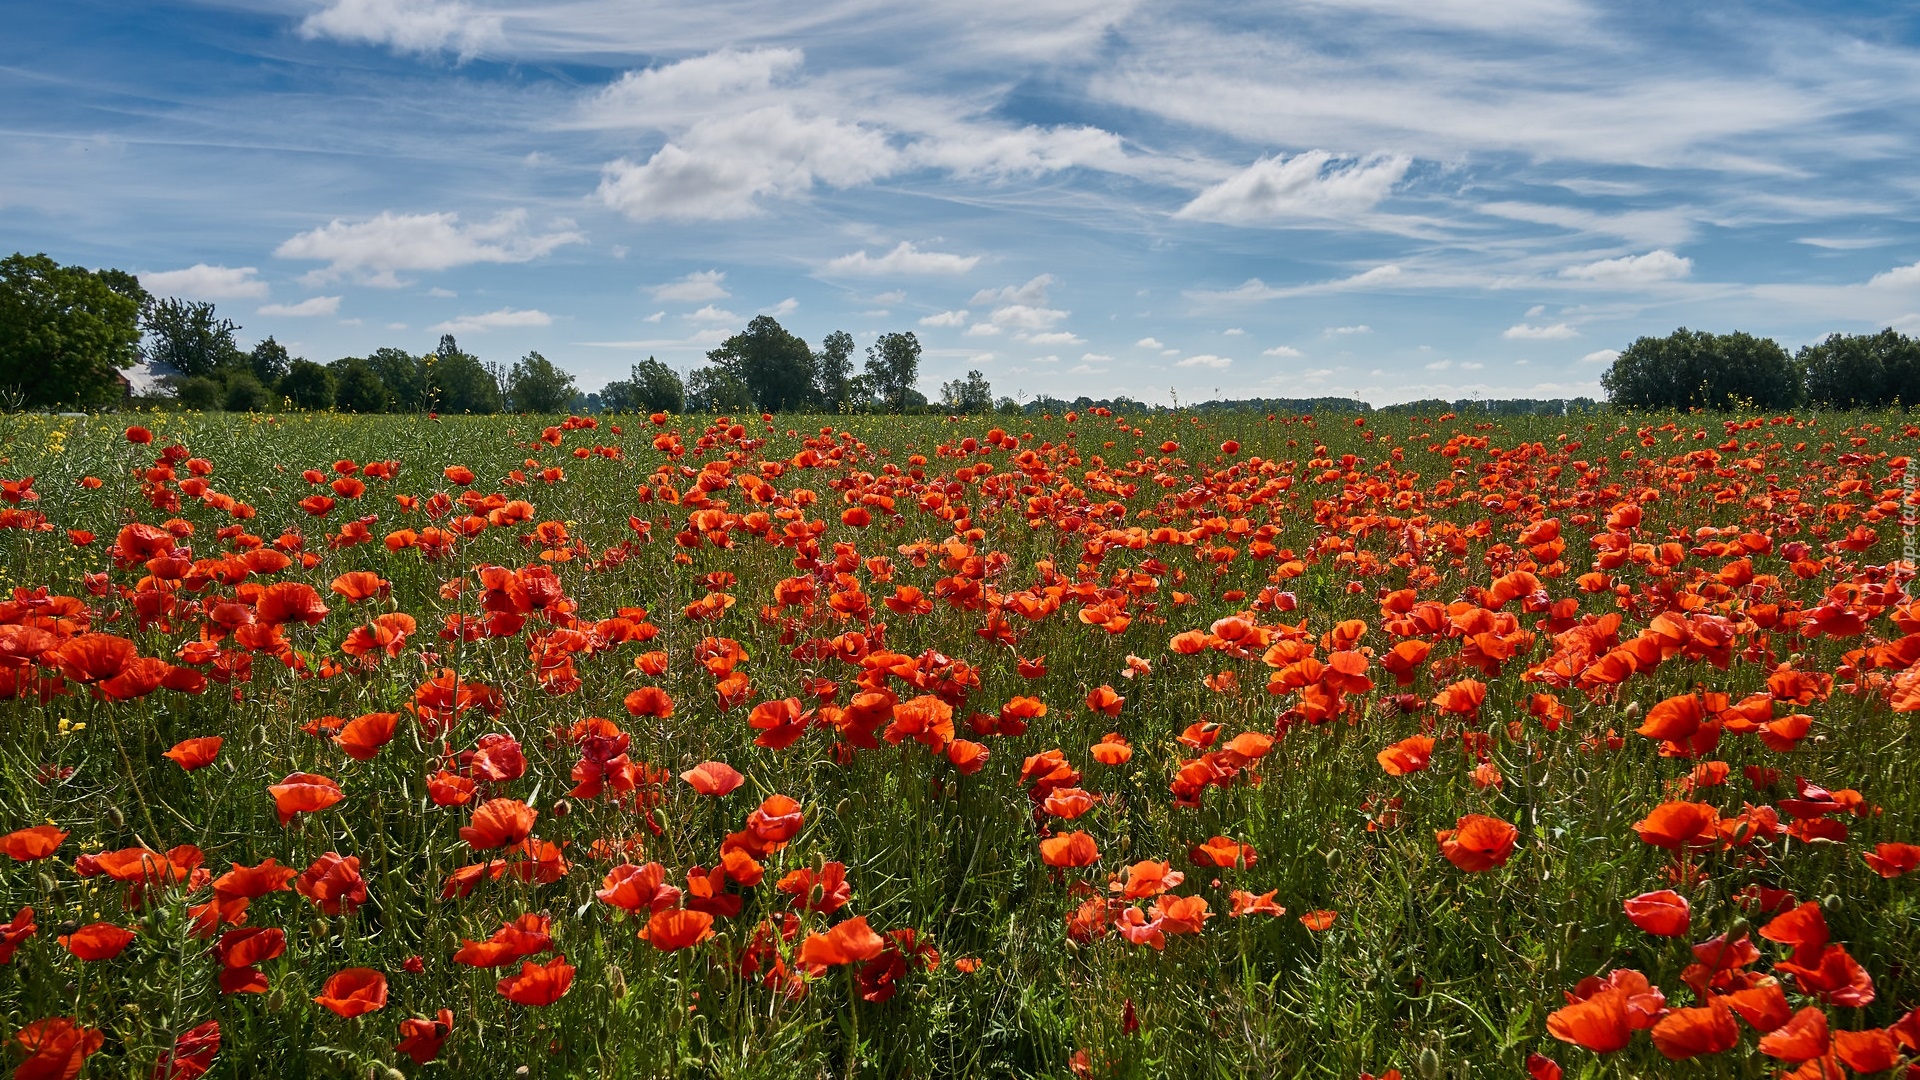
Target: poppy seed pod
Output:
[
  {"x": 115, "y": 818},
  {"x": 1427, "y": 1065}
]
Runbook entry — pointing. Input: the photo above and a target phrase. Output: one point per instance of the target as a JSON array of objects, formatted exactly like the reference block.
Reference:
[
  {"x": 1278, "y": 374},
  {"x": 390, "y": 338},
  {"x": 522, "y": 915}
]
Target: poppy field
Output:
[{"x": 1081, "y": 745}]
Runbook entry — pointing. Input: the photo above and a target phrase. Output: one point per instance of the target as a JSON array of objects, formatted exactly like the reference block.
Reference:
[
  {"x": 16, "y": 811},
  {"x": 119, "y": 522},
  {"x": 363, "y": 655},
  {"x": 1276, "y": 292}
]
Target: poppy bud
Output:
[
  {"x": 1333, "y": 860},
  {"x": 1631, "y": 711},
  {"x": 1831, "y": 902},
  {"x": 522, "y": 1072},
  {"x": 276, "y": 1000},
  {"x": 395, "y": 1074},
  {"x": 48, "y": 885},
  {"x": 840, "y": 808},
  {"x": 562, "y": 808},
  {"x": 616, "y": 982},
  {"x": 1427, "y": 1065},
  {"x": 114, "y": 817}
]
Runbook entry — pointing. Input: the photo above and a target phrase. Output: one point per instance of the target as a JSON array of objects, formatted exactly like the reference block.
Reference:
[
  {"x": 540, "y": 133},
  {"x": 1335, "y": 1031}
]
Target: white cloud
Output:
[
  {"x": 1057, "y": 337},
  {"x": 982, "y": 329},
  {"x": 695, "y": 287},
  {"x": 441, "y": 294},
  {"x": 1900, "y": 277},
  {"x": 1030, "y": 151},
  {"x": 1255, "y": 289},
  {"x": 1286, "y": 351},
  {"x": 203, "y": 282},
  {"x": 1440, "y": 365},
  {"x": 1085, "y": 369},
  {"x": 1095, "y": 358},
  {"x": 1657, "y": 265},
  {"x": 712, "y": 314},
  {"x": 503, "y": 319},
  {"x": 642, "y": 97},
  {"x": 1033, "y": 293},
  {"x": 1149, "y": 343},
  {"x": 905, "y": 258},
  {"x": 408, "y": 26},
  {"x": 1471, "y": 365},
  {"x": 722, "y": 166},
  {"x": 655, "y": 317},
  {"x": 891, "y": 296},
  {"x": 1232, "y": 331},
  {"x": 784, "y": 307},
  {"x": 945, "y": 318},
  {"x": 1601, "y": 356},
  {"x": 1027, "y": 317},
  {"x": 375, "y": 251},
  {"x": 1844, "y": 243},
  {"x": 314, "y": 305},
  {"x": 1310, "y": 185},
  {"x": 1206, "y": 360},
  {"x": 1342, "y": 331},
  {"x": 1528, "y": 332}
]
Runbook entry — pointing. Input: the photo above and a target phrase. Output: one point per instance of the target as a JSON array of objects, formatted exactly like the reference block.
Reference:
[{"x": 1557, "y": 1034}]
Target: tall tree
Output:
[
  {"x": 65, "y": 331},
  {"x": 535, "y": 385},
  {"x": 972, "y": 395},
  {"x": 834, "y": 363},
  {"x": 651, "y": 386},
  {"x": 269, "y": 361},
  {"x": 1862, "y": 371},
  {"x": 776, "y": 366},
  {"x": 1691, "y": 369},
  {"x": 358, "y": 388},
  {"x": 404, "y": 377},
  {"x": 308, "y": 385},
  {"x": 459, "y": 382},
  {"x": 893, "y": 366},
  {"x": 190, "y": 338},
  {"x": 715, "y": 389}
]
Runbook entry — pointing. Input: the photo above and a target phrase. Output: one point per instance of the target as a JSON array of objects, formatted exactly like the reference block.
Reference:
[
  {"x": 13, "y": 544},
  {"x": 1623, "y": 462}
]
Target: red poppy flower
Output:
[
  {"x": 421, "y": 1039},
  {"x": 1691, "y": 1033},
  {"x": 1892, "y": 860},
  {"x": 1674, "y": 825},
  {"x": 499, "y": 823},
  {"x": 1103, "y": 699},
  {"x": 191, "y": 1055},
  {"x": 825, "y": 892},
  {"x": 287, "y": 602},
  {"x": 197, "y": 753},
  {"x": 636, "y": 888},
  {"x": 848, "y": 943},
  {"x": 671, "y": 929},
  {"x": 1409, "y": 755},
  {"x": 1223, "y": 852},
  {"x": 98, "y": 941},
  {"x": 58, "y": 1047},
  {"x": 38, "y": 842},
  {"x": 354, "y": 992},
  {"x": 1599, "y": 1023},
  {"x": 538, "y": 984},
  {"x": 1664, "y": 913},
  {"x": 362, "y": 737},
  {"x": 1478, "y": 842},
  {"x": 649, "y": 701},
  {"x": 1112, "y": 750},
  {"x": 13, "y": 933},
  {"x": 334, "y": 883},
  {"x": 1802, "y": 1038},
  {"x": 1246, "y": 903},
  {"x": 1069, "y": 849},
  {"x": 303, "y": 793}
]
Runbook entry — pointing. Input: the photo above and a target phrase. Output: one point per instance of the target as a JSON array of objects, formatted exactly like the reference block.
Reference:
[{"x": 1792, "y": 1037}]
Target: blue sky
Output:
[{"x": 1386, "y": 198}]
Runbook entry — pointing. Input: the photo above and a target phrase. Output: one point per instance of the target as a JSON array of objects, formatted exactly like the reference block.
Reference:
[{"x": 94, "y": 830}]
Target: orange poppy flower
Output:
[
  {"x": 1478, "y": 842},
  {"x": 1246, "y": 903},
  {"x": 850, "y": 942},
  {"x": 1674, "y": 825},
  {"x": 357, "y": 585},
  {"x": 1892, "y": 860},
  {"x": 1598, "y": 1023},
  {"x": 1409, "y": 755},
  {"x": 1069, "y": 802},
  {"x": 1112, "y": 750},
  {"x": 1802, "y": 1038},
  {"x": 635, "y": 888},
  {"x": 714, "y": 778},
  {"x": 353, "y": 992},
  {"x": 363, "y": 736},
  {"x": 825, "y": 892},
  {"x": 1103, "y": 699},
  {"x": 777, "y": 820},
  {"x": 458, "y": 474},
  {"x": 1691, "y": 1033},
  {"x": 450, "y": 789},
  {"x": 649, "y": 701},
  {"x": 289, "y": 601},
  {"x": 967, "y": 756},
  {"x": 98, "y": 941},
  {"x": 538, "y": 985},
  {"x": 499, "y": 823},
  {"x": 525, "y": 936},
  {"x": 1223, "y": 852},
  {"x": 303, "y": 793},
  {"x": 1664, "y": 913},
  {"x": 198, "y": 753},
  {"x": 421, "y": 1039},
  {"x": 1146, "y": 879},
  {"x": 672, "y": 929},
  {"x": 1069, "y": 849},
  {"x": 37, "y": 842}
]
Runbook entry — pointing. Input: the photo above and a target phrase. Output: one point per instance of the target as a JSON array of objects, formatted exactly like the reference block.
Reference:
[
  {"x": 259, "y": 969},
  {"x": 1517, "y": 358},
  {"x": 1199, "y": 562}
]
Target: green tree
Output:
[
  {"x": 198, "y": 392},
  {"x": 535, "y": 385},
  {"x": 191, "y": 338},
  {"x": 65, "y": 331},
  {"x": 834, "y": 362},
  {"x": 1862, "y": 371},
  {"x": 717, "y": 390},
  {"x": 776, "y": 367},
  {"x": 245, "y": 394},
  {"x": 269, "y": 362},
  {"x": 971, "y": 395},
  {"x": 404, "y": 376},
  {"x": 308, "y": 385},
  {"x": 651, "y": 386},
  {"x": 1695, "y": 369},
  {"x": 357, "y": 387},
  {"x": 893, "y": 366},
  {"x": 459, "y": 383}
]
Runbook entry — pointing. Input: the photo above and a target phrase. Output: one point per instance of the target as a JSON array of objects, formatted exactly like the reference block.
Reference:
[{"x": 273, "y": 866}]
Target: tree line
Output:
[
  {"x": 68, "y": 334},
  {"x": 1696, "y": 369}
]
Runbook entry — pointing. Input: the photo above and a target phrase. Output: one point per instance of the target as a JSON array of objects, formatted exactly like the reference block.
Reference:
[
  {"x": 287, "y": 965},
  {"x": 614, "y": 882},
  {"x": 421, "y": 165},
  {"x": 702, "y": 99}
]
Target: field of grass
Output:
[{"x": 1450, "y": 693}]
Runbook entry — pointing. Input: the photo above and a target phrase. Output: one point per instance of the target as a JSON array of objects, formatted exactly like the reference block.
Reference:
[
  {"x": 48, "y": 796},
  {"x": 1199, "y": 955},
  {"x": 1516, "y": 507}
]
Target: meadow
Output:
[{"x": 1078, "y": 745}]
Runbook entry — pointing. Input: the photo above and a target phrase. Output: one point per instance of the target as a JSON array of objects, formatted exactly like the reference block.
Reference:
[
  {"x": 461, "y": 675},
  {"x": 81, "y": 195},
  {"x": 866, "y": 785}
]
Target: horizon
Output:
[{"x": 1388, "y": 201}]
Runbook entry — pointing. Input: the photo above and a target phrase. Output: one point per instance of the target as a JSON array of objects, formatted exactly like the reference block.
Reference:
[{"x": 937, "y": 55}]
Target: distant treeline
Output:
[{"x": 1694, "y": 369}]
